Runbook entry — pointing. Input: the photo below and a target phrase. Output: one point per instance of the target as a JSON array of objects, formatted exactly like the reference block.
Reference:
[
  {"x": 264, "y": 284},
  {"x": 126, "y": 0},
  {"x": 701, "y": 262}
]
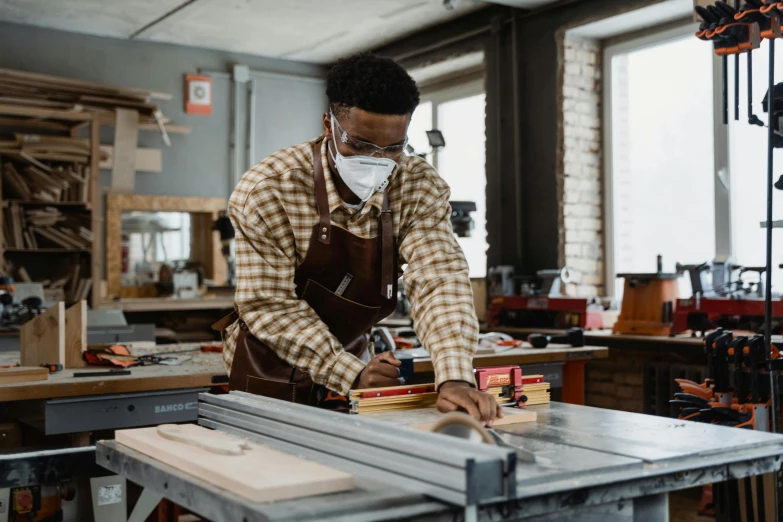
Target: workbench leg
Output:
[
  {"x": 653, "y": 507},
  {"x": 574, "y": 382},
  {"x": 146, "y": 504},
  {"x": 471, "y": 514}
]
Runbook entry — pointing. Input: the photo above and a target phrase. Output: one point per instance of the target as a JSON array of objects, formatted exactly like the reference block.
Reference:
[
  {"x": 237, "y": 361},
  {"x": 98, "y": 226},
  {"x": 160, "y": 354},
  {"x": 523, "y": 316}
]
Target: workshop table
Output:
[
  {"x": 573, "y": 359},
  {"x": 591, "y": 464},
  {"x": 682, "y": 343}
]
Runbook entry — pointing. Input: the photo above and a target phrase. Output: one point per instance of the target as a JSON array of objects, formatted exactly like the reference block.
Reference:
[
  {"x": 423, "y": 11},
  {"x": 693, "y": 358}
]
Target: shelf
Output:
[
  {"x": 162, "y": 304},
  {"x": 50, "y": 156},
  {"x": 46, "y": 203},
  {"x": 53, "y": 114},
  {"x": 46, "y": 250}
]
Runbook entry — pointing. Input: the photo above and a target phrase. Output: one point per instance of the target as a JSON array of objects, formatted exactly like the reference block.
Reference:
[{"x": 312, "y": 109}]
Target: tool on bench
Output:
[
  {"x": 52, "y": 367},
  {"x": 574, "y": 336},
  {"x": 647, "y": 306},
  {"x": 509, "y": 386},
  {"x": 109, "y": 373}
]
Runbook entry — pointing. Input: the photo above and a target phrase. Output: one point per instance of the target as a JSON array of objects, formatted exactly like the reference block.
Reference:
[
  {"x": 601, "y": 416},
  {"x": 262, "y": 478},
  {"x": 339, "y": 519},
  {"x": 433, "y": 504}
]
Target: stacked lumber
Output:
[
  {"x": 44, "y": 91},
  {"x": 58, "y": 148},
  {"x": 44, "y": 227},
  {"x": 393, "y": 398},
  {"x": 35, "y": 181}
]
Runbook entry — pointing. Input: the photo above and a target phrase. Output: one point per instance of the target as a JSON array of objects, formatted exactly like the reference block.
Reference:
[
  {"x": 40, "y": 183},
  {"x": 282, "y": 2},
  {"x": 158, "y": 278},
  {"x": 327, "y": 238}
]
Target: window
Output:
[
  {"x": 748, "y": 167},
  {"x": 458, "y": 112},
  {"x": 660, "y": 155}
]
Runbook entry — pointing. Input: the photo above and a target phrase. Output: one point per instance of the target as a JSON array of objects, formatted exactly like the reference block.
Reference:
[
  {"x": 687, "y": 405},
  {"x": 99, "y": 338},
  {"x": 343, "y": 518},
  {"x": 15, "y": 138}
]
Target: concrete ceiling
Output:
[
  {"x": 318, "y": 31},
  {"x": 656, "y": 14}
]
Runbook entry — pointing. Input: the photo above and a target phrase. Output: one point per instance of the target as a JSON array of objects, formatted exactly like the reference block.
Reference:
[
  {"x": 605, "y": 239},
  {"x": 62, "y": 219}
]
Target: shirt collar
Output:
[{"x": 333, "y": 196}]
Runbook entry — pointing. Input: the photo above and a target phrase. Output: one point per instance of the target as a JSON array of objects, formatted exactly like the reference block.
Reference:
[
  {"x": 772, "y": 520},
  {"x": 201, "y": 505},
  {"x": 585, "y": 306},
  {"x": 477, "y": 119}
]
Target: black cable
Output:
[
  {"x": 770, "y": 188},
  {"x": 750, "y": 85},
  {"x": 736, "y": 87},
  {"x": 725, "y": 89}
]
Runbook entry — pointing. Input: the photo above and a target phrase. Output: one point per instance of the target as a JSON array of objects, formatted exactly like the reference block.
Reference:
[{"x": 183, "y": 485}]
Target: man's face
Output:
[{"x": 368, "y": 133}]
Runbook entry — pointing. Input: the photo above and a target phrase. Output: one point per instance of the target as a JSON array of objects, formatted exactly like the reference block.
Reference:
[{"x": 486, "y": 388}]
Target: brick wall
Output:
[
  {"x": 580, "y": 176},
  {"x": 616, "y": 383}
]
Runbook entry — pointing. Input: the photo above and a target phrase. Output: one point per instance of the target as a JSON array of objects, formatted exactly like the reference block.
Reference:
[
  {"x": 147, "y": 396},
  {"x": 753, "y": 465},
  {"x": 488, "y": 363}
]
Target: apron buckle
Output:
[{"x": 389, "y": 290}]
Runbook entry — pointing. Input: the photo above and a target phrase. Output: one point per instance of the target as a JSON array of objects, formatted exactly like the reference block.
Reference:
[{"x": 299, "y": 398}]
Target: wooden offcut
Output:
[
  {"x": 75, "y": 335},
  {"x": 23, "y": 374},
  {"x": 259, "y": 474},
  {"x": 126, "y": 135},
  {"x": 42, "y": 340},
  {"x": 147, "y": 160}
]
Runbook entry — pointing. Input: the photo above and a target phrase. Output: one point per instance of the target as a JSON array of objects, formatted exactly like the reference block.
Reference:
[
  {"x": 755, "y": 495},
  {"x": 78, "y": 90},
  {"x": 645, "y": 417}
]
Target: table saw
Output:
[{"x": 590, "y": 464}]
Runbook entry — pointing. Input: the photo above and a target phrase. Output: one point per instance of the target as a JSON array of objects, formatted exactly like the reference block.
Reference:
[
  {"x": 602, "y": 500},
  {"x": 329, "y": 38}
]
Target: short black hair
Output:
[{"x": 372, "y": 83}]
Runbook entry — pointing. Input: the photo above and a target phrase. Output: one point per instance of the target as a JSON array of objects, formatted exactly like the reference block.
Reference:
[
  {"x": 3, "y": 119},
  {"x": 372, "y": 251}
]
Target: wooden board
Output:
[
  {"x": 259, "y": 474},
  {"x": 42, "y": 340},
  {"x": 510, "y": 416},
  {"x": 75, "y": 335},
  {"x": 424, "y": 418},
  {"x": 126, "y": 135},
  {"x": 147, "y": 160},
  {"x": 22, "y": 374}
]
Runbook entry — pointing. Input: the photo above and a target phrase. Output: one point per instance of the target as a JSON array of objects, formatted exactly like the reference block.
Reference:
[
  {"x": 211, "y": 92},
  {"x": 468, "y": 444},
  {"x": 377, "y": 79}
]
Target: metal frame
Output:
[
  {"x": 459, "y": 473},
  {"x": 721, "y": 153}
]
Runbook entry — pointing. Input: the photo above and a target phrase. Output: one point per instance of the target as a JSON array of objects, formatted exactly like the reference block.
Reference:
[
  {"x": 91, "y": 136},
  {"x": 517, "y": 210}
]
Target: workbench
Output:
[
  {"x": 68, "y": 405},
  {"x": 591, "y": 464}
]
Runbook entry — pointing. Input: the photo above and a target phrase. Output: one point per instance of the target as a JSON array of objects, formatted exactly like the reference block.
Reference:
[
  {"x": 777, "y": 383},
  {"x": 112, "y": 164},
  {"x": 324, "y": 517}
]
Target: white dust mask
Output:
[{"x": 364, "y": 175}]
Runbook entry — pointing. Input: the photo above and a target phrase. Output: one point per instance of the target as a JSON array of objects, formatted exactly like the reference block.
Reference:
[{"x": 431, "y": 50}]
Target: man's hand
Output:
[
  {"x": 380, "y": 372},
  {"x": 460, "y": 396}
]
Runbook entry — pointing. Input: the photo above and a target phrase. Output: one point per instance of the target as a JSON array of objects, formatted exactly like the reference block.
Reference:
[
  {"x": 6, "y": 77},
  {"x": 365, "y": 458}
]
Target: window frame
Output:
[
  {"x": 721, "y": 174},
  {"x": 438, "y": 94}
]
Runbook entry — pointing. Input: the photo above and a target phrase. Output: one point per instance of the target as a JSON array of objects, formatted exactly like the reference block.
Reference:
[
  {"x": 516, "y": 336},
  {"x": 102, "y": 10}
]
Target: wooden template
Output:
[
  {"x": 147, "y": 160},
  {"x": 75, "y": 335},
  {"x": 42, "y": 340},
  {"x": 259, "y": 474}
]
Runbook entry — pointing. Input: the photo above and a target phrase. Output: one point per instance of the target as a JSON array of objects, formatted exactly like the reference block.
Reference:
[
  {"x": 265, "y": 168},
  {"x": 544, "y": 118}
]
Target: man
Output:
[{"x": 321, "y": 231}]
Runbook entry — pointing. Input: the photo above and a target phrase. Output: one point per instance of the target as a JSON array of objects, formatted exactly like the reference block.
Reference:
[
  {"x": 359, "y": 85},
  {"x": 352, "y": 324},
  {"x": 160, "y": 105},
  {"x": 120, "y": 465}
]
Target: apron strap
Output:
[
  {"x": 386, "y": 228},
  {"x": 321, "y": 198}
]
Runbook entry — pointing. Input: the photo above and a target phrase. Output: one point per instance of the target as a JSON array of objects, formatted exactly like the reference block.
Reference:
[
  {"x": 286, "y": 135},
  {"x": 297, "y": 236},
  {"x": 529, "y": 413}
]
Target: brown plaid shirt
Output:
[{"x": 273, "y": 211}]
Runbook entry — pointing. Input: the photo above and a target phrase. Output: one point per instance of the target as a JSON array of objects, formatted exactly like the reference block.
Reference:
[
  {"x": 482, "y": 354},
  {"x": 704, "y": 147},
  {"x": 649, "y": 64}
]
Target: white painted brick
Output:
[
  {"x": 594, "y": 279},
  {"x": 586, "y": 291},
  {"x": 569, "y": 53},
  {"x": 574, "y": 68},
  {"x": 586, "y": 266},
  {"x": 573, "y": 250},
  {"x": 592, "y": 224}
]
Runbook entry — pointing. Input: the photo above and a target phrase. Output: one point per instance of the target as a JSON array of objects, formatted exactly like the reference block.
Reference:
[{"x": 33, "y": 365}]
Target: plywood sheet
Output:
[
  {"x": 23, "y": 374},
  {"x": 42, "y": 340},
  {"x": 126, "y": 135},
  {"x": 75, "y": 335},
  {"x": 259, "y": 474}
]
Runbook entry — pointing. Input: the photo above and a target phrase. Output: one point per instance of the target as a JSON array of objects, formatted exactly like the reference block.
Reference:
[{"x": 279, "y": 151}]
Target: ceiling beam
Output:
[{"x": 159, "y": 19}]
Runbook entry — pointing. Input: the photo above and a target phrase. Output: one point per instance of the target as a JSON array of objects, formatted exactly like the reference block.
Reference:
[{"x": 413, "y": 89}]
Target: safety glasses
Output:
[{"x": 365, "y": 148}]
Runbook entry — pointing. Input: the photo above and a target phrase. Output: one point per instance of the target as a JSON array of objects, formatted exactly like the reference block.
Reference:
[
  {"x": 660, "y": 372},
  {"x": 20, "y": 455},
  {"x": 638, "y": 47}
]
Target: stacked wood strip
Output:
[{"x": 30, "y": 180}]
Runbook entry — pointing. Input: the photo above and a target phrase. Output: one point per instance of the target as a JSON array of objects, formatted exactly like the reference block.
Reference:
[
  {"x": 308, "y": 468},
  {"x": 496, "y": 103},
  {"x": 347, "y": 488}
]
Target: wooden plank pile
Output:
[
  {"x": 44, "y": 227},
  {"x": 22, "y": 89},
  {"x": 57, "y": 148},
  {"x": 67, "y": 284},
  {"x": 38, "y": 182}
]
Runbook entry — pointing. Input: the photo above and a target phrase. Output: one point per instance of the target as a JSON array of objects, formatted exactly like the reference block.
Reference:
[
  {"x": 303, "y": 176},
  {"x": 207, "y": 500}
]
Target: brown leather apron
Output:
[{"x": 333, "y": 257}]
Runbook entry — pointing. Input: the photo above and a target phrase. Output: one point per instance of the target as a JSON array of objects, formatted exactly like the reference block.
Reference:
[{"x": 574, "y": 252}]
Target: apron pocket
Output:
[
  {"x": 285, "y": 391},
  {"x": 346, "y": 319}
]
